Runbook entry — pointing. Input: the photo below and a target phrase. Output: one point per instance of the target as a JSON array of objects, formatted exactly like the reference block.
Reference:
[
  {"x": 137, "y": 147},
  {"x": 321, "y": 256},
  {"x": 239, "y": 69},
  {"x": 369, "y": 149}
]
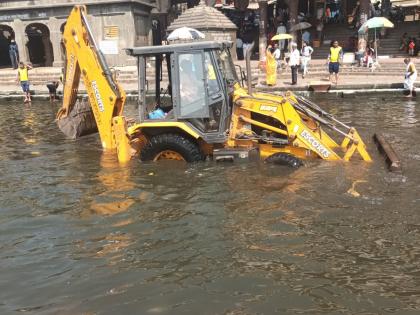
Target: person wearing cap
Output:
[{"x": 294, "y": 62}]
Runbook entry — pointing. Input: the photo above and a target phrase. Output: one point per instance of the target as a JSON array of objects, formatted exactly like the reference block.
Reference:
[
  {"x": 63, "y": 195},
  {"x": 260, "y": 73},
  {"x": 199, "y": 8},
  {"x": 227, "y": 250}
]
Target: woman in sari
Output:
[{"x": 271, "y": 67}]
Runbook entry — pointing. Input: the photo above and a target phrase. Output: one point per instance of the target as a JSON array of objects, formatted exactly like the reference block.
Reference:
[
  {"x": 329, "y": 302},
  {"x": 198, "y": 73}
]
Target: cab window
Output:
[{"x": 192, "y": 87}]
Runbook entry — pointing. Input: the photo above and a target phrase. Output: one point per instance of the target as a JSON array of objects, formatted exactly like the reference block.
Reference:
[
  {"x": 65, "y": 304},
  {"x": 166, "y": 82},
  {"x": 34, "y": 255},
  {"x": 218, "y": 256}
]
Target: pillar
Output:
[
  {"x": 263, "y": 28},
  {"x": 55, "y": 37},
  {"x": 293, "y": 14},
  {"x": 364, "y": 16},
  {"x": 344, "y": 9},
  {"x": 21, "y": 39},
  {"x": 49, "y": 53}
]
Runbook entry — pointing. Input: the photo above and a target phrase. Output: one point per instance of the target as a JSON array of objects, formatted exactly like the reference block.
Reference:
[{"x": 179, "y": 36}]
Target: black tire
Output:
[
  {"x": 172, "y": 142},
  {"x": 285, "y": 159}
]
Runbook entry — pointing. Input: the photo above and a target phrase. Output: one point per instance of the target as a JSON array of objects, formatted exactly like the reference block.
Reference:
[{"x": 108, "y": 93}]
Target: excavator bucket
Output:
[{"x": 79, "y": 122}]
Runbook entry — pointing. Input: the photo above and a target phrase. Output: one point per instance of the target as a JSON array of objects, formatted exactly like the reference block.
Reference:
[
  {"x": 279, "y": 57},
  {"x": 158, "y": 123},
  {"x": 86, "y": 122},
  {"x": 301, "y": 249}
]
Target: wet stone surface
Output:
[{"x": 81, "y": 235}]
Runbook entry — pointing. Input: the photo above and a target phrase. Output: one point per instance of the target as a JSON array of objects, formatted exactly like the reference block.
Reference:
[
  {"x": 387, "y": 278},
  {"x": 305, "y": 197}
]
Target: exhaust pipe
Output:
[{"x": 248, "y": 68}]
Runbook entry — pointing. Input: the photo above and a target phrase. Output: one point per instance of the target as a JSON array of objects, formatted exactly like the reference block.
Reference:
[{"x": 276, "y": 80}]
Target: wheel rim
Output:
[{"x": 169, "y": 155}]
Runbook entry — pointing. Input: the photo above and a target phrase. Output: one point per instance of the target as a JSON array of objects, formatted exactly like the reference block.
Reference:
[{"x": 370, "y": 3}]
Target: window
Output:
[{"x": 192, "y": 88}]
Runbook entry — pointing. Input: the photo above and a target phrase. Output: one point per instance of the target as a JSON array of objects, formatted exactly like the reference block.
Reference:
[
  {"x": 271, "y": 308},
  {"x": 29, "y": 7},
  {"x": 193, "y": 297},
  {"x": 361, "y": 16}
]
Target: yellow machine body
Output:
[{"x": 285, "y": 123}]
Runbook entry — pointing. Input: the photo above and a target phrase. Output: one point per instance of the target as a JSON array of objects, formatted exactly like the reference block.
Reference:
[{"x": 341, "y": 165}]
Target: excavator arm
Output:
[{"x": 106, "y": 97}]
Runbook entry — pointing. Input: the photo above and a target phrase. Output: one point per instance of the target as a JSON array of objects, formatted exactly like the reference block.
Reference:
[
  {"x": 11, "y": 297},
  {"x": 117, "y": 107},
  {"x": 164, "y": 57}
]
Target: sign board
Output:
[
  {"x": 109, "y": 47},
  {"x": 111, "y": 32}
]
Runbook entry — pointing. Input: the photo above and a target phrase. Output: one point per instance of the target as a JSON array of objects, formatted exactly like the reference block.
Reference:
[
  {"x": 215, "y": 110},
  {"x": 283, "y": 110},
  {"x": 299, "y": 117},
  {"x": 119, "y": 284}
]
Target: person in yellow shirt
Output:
[
  {"x": 334, "y": 58},
  {"x": 23, "y": 79}
]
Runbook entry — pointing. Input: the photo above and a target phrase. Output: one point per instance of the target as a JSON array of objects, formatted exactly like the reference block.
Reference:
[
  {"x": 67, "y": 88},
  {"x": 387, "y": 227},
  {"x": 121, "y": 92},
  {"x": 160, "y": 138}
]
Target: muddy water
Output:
[{"x": 80, "y": 235}]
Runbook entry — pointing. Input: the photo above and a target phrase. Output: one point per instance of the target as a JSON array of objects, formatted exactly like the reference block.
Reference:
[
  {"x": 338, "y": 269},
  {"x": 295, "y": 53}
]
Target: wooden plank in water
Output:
[{"x": 386, "y": 149}]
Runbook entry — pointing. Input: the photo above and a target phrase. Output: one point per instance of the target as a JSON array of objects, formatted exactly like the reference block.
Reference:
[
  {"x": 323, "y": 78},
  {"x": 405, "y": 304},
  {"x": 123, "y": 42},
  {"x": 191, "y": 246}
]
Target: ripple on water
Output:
[{"x": 81, "y": 234}]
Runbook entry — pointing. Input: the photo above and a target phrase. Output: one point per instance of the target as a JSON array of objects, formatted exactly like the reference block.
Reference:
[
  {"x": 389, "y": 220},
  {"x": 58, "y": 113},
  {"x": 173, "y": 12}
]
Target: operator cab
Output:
[{"x": 188, "y": 83}]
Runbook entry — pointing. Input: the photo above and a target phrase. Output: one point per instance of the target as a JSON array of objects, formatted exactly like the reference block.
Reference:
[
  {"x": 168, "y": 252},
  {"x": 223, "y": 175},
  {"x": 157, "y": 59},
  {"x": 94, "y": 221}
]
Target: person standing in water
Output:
[
  {"x": 410, "y": 77},
  {"x": 23, "y": 79}
]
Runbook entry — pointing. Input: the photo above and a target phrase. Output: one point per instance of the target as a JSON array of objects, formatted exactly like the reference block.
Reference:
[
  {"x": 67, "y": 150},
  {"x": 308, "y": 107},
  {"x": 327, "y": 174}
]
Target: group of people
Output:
[
  {"x": 409, "y": 44},
  {"x": 301, "y": 59},
  {"x": 296, "y": 58},
  {"x": 23, "y": 79}
]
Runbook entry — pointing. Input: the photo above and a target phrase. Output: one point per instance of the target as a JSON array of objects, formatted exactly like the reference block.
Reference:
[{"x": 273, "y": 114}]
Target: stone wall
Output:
[
  {"x": 222, "y": 36},
  {"x": 117, "y": 24}
]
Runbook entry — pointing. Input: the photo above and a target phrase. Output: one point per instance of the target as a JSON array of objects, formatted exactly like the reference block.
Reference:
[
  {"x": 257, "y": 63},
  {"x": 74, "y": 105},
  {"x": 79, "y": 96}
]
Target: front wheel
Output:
[
  {"x": 170, "y": 146},
  {"x": 284, "y": 159}
]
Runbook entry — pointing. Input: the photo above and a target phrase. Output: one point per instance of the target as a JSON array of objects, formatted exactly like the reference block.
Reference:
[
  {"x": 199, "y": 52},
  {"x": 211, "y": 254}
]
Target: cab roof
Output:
[{"x": 199, "y": 45}]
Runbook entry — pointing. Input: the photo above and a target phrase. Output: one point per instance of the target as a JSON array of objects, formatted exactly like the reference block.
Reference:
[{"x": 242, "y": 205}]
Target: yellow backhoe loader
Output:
[{"x": 193, "y": 107}]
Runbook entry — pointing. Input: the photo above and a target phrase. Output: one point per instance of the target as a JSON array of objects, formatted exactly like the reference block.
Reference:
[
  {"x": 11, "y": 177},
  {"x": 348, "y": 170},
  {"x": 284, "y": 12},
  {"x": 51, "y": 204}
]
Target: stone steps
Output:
[{"x": 389, "y": 45}]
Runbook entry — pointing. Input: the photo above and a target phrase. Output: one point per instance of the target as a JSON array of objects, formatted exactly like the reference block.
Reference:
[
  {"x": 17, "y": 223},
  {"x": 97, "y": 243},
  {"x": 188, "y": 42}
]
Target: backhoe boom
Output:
[{"x": 85, "y": 60}]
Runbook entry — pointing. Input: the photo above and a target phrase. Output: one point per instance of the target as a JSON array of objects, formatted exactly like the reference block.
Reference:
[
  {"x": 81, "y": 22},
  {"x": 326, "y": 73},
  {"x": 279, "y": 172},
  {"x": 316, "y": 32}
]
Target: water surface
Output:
[{"x": 81, "y": 235}]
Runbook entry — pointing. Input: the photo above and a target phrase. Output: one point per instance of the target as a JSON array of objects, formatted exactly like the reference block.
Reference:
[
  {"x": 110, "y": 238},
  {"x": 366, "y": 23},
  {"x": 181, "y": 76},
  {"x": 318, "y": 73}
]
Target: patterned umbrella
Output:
[
  {"x": 185, "y": 33},
  {"x": 376, "y": 22}
]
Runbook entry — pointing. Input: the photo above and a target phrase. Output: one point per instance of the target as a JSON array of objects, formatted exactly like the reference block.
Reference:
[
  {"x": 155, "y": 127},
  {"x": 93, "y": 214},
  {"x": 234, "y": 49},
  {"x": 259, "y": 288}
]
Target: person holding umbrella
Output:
[
  {"x": 375, "y": 23},
  {"x": 281, "y": 37}
]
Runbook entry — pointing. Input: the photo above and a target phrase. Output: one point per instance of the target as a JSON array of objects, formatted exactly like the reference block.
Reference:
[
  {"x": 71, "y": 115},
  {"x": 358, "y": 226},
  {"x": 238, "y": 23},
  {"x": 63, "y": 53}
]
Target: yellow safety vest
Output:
[
  {"x": 335, "y": 53},
  {"x": 23, "y": 74}
]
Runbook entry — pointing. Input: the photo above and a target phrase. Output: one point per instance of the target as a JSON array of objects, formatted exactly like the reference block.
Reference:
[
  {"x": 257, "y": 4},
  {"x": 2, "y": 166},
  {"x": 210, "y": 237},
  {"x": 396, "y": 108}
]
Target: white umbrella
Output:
[
  {"x": 300, "y": 26},
  {"x": 185, "y": 33}
]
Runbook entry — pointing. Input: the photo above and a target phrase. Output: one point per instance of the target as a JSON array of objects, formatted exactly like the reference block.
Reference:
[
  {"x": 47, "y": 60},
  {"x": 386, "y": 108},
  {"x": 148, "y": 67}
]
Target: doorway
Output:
[
  {"x": 39, "y": 45},
  {"x": 6, "y": 35}
]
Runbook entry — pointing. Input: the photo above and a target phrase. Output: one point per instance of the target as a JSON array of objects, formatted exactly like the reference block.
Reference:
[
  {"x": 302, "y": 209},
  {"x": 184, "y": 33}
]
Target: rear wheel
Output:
[
  {"x": 285, "y": 159},
  {"x": 170, "y": 146}
]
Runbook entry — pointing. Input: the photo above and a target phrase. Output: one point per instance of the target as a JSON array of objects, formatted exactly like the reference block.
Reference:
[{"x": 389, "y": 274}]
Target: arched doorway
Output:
[
  {"x": 6, "y": 34},
  {"x": 39, "y": 45},
  {"x": 62, "y": 27}
]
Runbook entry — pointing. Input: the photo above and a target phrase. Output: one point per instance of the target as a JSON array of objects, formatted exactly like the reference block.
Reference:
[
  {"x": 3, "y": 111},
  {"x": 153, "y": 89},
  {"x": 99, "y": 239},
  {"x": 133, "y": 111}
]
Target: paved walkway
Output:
[{"x": 349, "y": 79}]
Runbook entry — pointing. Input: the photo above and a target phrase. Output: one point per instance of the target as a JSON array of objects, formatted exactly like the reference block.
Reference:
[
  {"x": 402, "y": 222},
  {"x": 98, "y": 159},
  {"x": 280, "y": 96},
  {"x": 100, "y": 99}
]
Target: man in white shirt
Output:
[
  {"x": 294, "y": 62},
  {"x": 277, "y": 54}
]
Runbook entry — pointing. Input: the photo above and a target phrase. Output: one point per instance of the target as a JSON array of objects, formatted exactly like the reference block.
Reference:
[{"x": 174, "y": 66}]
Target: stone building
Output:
[
  {"x": 37, "y": 26},
  {"x": 214, "y": 24}
]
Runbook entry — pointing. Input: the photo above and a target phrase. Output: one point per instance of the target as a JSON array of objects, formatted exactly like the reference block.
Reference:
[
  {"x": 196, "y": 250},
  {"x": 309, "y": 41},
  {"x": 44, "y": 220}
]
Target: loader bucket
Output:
[{"x": 79, "y": 122}]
